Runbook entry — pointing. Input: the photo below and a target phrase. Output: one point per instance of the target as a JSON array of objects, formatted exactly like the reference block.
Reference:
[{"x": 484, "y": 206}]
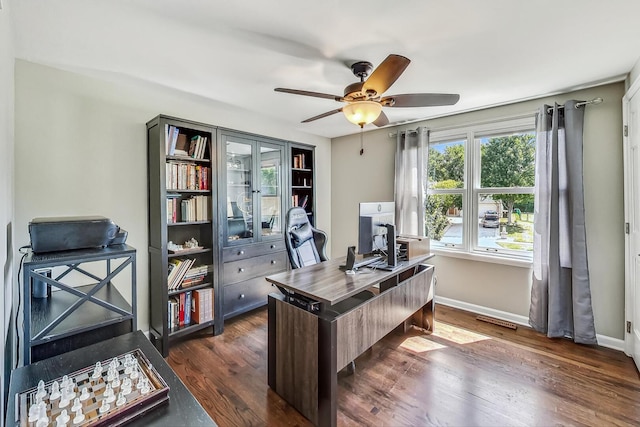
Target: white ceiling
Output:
[{"x": 236, "y": 52}]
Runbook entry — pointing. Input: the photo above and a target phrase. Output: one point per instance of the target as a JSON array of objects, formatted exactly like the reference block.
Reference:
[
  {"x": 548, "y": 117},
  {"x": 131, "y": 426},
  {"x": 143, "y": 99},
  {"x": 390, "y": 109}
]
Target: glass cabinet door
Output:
[
  {"x": 271, "y": 190},
  {"x": 240, "y": 189}
]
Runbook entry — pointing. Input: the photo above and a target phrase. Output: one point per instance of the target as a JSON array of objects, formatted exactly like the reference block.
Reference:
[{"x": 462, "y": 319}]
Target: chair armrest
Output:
[{"x": 320, "y": 239}]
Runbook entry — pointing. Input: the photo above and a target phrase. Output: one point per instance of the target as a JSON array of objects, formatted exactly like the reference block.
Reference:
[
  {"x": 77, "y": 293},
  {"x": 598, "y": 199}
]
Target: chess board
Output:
[{"x": 90, "y": 389}]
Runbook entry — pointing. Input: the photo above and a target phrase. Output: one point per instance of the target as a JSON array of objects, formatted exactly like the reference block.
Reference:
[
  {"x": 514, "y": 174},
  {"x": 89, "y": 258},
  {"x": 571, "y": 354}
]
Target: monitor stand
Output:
[{"x": 392, "y": 254}]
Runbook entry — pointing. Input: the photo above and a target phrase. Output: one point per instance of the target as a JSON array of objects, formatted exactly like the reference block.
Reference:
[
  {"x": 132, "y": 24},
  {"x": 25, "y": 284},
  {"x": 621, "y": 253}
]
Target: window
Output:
[{"x": 480, "y": 189}]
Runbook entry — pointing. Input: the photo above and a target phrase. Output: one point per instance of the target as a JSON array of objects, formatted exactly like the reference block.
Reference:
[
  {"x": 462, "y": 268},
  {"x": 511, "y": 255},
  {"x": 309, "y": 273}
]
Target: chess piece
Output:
[
  {"x": 145, "y": 389},
  {"x": 62, "y": 419},
  {"x": 79, "y": 417},
  {"x": 85, "y": 394},
  {"x": 34, "y": 410},
  {"x": 41, "y": 392},
  {"x": 64, "y": 401},
  {"x": 42, "y": 415},
  {"x": 116, "y": 382},
  {"x": 55, "y": 391},
  {"x": 126, "y": 386},
  {"x": 104, "y": 407},
  {"x": 134, "y": 372},
  {"x": 109, "y": 394},
  {"x": 65, "y": 382},
  {"x": 121, "y": 400},
  {"x": 70, "y": 390},
  {"x": 97, "y": 371},
  {"x": 76, "y": 404},
  {"x": 111, "y": 374}
]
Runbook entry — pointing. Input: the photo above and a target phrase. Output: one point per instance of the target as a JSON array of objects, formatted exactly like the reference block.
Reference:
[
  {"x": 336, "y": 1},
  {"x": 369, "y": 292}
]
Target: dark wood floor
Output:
[{"x": 468, "y": 373}]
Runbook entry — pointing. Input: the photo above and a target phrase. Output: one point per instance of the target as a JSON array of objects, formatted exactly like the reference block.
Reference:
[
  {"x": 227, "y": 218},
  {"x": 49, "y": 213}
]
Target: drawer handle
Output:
[
  {"x": 241, "y": 252},
  {"x": 241, "y": 296},
  {"x": 273, "y": 246},
  {"x": 241, "y": 270},
  {"x": 273, "y": 261}
]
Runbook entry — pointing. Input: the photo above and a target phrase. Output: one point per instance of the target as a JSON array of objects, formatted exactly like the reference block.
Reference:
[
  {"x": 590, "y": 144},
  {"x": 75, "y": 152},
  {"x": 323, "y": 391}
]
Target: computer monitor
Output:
[{"x": 376, "y": 230}]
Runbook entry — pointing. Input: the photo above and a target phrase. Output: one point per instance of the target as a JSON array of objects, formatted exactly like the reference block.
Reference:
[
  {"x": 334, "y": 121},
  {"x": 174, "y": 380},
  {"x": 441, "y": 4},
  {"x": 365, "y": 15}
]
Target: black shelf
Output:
[
  {"x": 187, "y": 159},
  {"x": 181, "y": 331},
  {"x": 87, "y": 316},
  {"x": 184, "y": 223},
  {"x": 185, "y": 191},
  {"x": 76, "y": 313},
  {"x": 190, "y": 288},
  {"x": 188, "y": 253}
]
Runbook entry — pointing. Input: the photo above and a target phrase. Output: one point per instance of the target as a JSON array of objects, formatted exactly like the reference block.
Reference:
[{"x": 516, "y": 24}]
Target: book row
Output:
[
  {"x": 298, "y": 161},
  {"x": 182, "y": 274},
  {"x": 176, "y": 143},
  {"x": 187, "y": 176},
  {"x": 195, "y": 208},
  {"x": 300, "y": 201},
  {"x": 190, "y": 307}
]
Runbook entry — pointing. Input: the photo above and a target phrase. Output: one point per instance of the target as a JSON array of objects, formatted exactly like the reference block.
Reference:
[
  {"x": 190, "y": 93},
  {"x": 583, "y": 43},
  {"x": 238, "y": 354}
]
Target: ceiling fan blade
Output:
[
  {"x": 420, "y": 99},
  {"x": 309, "y": 93},
  {"x": 382, "y": 120},
  {"x": 320, "y": 116},
  {"x": 387, "y": 73}
]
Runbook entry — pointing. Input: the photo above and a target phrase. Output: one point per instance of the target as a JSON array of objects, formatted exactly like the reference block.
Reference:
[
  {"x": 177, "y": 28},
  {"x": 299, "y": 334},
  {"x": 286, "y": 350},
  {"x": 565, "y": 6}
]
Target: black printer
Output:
[{"x": 74, "y": 232}]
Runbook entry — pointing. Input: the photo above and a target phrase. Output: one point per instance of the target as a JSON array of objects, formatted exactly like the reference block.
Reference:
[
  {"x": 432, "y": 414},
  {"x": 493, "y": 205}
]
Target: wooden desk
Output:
[
  {"x": 181, "y": 410},
  {"x": 330, "y": 320}
]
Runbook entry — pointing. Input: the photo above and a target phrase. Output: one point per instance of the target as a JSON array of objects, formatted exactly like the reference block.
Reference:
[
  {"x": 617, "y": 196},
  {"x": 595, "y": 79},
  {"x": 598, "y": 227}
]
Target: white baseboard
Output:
[{"x": 603, "y": 340}]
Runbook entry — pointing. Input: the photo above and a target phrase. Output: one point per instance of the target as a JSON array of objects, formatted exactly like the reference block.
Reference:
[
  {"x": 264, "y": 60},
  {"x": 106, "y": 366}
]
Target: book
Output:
[
  {"x": 173, "y": 133},
  {"x": 202, "y": 305},
  {"x": 181, "y": 300},
  {"x": 180, "y": 268},
  {"x": 173, "y": 313},
  {"x": 187, "y": 308},
  {"x": 182, "y": 146}
]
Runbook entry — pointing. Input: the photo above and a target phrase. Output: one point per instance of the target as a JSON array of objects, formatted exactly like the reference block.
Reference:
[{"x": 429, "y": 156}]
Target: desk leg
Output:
[
  {"x": 327, "y": 373},
  {"x": 302, "y": 360}
]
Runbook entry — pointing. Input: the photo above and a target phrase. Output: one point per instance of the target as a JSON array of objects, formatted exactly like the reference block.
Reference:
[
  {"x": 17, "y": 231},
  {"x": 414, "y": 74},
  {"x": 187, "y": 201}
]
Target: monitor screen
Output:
[{"x": 372, "y": 222}]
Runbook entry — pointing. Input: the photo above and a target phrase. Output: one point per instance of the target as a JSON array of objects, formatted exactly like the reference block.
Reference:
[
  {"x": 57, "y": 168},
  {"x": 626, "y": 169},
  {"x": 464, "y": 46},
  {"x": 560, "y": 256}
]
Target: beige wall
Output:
[
  {"x": 6, "y": 187},
  {"x": 81, "y": 150},
  {"x": 369, "y": 177}
]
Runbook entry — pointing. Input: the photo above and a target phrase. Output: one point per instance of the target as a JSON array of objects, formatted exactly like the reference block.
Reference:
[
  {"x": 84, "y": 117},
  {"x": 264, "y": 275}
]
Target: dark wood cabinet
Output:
[
  {"x": 254, "y": 185},
  {"x": 250, "y": 181},
  {"x": 183, "y": 228}
]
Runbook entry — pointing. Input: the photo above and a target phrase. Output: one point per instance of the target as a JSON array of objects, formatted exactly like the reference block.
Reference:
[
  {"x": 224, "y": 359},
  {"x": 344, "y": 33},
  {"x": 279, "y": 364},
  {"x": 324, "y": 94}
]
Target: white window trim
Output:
[{"x": 470, "y": 132}]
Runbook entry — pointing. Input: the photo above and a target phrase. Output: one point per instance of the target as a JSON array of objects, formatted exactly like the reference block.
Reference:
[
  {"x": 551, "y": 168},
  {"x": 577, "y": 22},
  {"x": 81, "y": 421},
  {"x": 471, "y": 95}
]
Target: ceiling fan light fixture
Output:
[{"x": 362, "y": 112}]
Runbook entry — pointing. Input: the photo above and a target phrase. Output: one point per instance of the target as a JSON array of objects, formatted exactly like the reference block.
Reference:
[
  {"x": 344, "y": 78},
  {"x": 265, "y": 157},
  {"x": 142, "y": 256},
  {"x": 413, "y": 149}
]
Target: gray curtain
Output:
[
  {"x": 561, "y": 295},
  {"x": 411, "y": 152}
]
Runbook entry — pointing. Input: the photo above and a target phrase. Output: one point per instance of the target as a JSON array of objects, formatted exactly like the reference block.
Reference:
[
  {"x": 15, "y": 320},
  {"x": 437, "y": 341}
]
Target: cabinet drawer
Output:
[
  {"x": 245, "y": 269},
  {"x": 245, "y": 296},
  {"x": 248, "y": 251}
]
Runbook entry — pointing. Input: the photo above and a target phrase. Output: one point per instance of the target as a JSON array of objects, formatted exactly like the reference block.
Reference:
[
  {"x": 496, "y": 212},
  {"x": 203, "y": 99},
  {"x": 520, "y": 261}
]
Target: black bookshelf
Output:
[{"x": 182, "y": 206}]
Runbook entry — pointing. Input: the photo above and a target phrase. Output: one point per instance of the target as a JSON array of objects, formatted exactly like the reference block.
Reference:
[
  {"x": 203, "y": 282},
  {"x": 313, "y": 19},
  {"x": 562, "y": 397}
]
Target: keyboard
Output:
[
  {"x": 366, "y": 261},
  {"x": 382, "y": 265}
]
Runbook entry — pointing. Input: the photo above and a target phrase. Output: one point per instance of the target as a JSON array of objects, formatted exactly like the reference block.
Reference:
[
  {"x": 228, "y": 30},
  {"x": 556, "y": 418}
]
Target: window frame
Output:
[{"x": 472, "y": 133}]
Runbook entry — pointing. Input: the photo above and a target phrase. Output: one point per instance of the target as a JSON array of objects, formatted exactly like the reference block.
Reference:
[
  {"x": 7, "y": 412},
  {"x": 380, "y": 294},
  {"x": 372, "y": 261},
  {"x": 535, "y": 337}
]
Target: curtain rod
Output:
[{"x": 580, "y": 104}]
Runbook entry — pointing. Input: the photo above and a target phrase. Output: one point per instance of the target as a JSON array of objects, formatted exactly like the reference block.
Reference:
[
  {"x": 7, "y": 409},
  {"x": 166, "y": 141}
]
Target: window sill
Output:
[{"x": 495, "y": 259}]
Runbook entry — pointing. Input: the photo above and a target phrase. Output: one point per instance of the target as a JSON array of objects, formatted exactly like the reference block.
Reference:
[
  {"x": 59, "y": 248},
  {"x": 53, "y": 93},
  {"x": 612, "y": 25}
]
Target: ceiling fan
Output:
[{"x": 364, "y": 98}]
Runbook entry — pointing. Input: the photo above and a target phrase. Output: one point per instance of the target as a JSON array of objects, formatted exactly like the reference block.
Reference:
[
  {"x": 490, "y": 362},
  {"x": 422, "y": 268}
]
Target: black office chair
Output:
[{"x": 305, "y": 244}]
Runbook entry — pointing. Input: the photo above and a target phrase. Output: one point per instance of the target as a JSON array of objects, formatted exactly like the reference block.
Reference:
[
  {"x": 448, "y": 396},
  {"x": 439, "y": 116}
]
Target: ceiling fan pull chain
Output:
[{"x": 361, "y": 141}]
